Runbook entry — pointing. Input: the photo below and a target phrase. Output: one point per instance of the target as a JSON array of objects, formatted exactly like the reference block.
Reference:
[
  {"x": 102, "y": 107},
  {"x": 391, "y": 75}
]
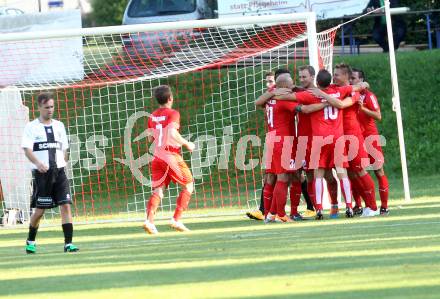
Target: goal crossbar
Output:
[{"x": 164, "y": 26}]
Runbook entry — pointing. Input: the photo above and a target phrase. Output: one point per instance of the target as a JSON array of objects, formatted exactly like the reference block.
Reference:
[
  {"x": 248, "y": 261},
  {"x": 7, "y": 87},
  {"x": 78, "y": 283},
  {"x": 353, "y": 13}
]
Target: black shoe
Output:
[
  {"x": 349, "y": 212},
  {"x": 357, "y": 211},
  {"x": 70, "y": 248},
  {"x": 384, "y": 212},
  {"x": 319, "y": 215},
  {"x": 296, "y": 217}
]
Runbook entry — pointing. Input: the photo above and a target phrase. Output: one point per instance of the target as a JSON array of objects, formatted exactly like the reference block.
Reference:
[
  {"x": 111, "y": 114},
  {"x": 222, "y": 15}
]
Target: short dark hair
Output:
[
  {"x": 309, "y": 68},
  {"x": 281, "y": 71},
  {"x": 269, "y": 74},
  {"x": 344, "y": 67},
  {"x": 44, "y": 97},
  {"x": 162, "y": 93},
  {"x": 324, "y": 78},
  {"x": 360, "y": 72}
]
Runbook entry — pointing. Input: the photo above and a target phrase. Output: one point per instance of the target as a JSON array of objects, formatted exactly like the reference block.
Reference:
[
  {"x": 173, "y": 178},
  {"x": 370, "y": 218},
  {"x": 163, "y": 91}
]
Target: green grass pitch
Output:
[{"x": 232, "y": 257}]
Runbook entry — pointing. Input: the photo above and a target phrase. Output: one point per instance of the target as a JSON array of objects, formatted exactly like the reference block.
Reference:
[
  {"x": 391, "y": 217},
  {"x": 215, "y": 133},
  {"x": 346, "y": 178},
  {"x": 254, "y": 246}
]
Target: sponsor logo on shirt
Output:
[{"x": 49, "y": 145}]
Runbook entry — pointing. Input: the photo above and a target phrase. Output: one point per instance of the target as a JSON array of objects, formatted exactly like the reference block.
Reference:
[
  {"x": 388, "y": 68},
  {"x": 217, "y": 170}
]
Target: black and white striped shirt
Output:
[{"x": 48, "y": 142}]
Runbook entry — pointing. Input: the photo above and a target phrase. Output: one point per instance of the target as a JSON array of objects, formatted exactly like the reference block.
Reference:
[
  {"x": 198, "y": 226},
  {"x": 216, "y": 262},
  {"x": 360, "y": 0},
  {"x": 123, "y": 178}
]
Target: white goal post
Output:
[{"x": 396, "y": 101}]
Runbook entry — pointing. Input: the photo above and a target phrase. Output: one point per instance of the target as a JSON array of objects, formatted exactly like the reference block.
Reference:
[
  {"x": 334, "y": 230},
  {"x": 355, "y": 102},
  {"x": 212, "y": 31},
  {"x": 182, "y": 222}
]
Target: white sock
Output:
[
  {"x": 318, "y": 190},
  {"x": 347, "y": 189}
]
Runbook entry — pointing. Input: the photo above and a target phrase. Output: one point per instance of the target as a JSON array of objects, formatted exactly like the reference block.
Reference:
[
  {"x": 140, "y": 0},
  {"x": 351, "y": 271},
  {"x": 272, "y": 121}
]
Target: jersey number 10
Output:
[{"x": 330, "y": 113}]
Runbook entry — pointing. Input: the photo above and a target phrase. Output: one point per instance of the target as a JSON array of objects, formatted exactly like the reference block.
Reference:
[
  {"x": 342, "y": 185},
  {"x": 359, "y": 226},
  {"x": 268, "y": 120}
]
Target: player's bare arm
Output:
[
  {"x": 312, "y": 107},
  {"x": 262, "y": 100},
  {"x": 335, "y": 102},
  {"x": 371, "y": 113},
  {"x": 285, "y": 97},
  {"x": 361, "y": 86},
  {"x": 66, "y": 156},
  {"x": 31, "y": 157},
  {"x": 175, "y": 135}
]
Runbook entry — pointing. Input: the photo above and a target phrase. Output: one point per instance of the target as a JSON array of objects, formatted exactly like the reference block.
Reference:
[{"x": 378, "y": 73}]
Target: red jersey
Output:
[
  {"x": 344, "y": 91},
  {"x": 161, "y": 121},
  {"x": 265, "y": 116},
  {"x": 351, "y": 120},
  {"x": 304, "y": 125},
  {"x": 368, "y": 123},
  {"x": 280, "y": 117},
  {"x": 350, "y": 114},
  {"x": 327, "y": 121}
]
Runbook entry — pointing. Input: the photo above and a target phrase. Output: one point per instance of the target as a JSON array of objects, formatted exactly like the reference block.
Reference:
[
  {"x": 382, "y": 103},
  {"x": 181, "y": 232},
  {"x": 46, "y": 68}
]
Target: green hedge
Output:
[{"x": 419, "y": 81}]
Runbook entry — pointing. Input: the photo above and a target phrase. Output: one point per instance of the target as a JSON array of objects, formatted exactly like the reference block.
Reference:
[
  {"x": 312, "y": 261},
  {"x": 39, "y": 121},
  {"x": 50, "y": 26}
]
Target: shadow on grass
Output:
[
  {"x": 71, "y": 282},
  {"x": 426, "y": 292},
  {"x": 238, "y": 244},
  {"x": 202, "y": 227}
]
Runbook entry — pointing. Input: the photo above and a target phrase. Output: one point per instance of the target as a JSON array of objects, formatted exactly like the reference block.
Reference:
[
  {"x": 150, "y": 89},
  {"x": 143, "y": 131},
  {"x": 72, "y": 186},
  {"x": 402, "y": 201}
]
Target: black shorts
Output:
[{"x": 51, "y": 189}]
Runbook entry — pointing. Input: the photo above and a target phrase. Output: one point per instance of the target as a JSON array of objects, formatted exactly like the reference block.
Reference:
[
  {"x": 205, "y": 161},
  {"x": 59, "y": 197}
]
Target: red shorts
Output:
[
  {"x": 303, "y": 151},
  {"x": 171, "y": 168},
  {"x": 281, "y": 158},
  {"x": 329, "y": 155},
  {"x": 359, "y": 156},
  {"x": 374, "y": 151}
]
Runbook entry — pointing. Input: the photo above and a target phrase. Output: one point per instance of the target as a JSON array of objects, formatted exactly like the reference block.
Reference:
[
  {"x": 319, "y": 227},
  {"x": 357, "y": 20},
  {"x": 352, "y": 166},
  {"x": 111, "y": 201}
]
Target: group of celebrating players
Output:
[{"x": 314, "y": 131}]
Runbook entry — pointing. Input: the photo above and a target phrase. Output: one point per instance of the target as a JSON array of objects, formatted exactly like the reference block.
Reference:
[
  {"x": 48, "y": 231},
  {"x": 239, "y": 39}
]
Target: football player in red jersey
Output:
[
  {"x": 369, "y": 113},
  {"x": 328, "y": 145},
  {"x": 327, "y": 150},
  {"x": 282, "y": 147},
  {"x": 269, "y": 176},
  {"x": 306, "y": 75},
  {"x": 168, "y": 164},
  {"x": 360, "y": 179}
]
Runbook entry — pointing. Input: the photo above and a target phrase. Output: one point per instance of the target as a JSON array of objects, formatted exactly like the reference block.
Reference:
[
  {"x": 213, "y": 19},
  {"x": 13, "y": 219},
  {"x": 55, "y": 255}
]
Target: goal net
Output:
[{"x": 103, "y": 79}]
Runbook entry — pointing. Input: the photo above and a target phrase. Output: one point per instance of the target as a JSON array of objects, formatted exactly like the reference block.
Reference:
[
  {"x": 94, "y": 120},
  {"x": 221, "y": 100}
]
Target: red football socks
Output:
[
  {"x": 153, "y": 203},
  {"x": 267, "y": 197},
  {"x": 383, "y": 190},
  {"x": 295, "y": 196},
  {"x": 311, "y": 191},
  {"x": 368, "y": 187},
  {"x": 280, "y": 197},
  {"x": 181, "y": 204},
  {"x": 357, "y": 192}
]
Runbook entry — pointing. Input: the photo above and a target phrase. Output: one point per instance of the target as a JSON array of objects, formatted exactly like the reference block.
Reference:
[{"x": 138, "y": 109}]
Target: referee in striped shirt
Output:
[{"x": 45, "y": 145}]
